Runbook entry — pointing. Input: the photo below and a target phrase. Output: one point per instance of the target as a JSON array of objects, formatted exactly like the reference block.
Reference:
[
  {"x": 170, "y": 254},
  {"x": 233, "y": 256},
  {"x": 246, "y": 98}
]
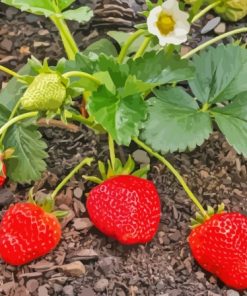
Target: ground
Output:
[{"x": 214, "y": 172}]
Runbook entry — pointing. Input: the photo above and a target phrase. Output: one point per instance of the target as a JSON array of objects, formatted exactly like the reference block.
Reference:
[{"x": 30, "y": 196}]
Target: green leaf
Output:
[
  {"x": 105, "y": 78},
  {"x": 14, "y": 89},
  {"x": 121, "y": 38},
  {"x": 175, "y": 122},
  {"x": 43, "y": 7},
  {"x": 63, "y": 4},
  {"x": 28, "y": 163},
  {"x": 4, "y": 115},
  {"x": 120, "y": 117},
  {"x": 133, "y": 86},
  {"x": 218, "y": 79},
  {"x": 104, "y": 46},
  {"x": 232, "y": 121},
  {"x": 160, "y": 68},
  {"x": 82, "y": 14}
]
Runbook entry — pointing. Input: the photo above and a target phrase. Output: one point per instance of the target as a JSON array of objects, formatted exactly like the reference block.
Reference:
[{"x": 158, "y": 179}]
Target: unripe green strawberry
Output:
[{"x": 45, "y": 93}]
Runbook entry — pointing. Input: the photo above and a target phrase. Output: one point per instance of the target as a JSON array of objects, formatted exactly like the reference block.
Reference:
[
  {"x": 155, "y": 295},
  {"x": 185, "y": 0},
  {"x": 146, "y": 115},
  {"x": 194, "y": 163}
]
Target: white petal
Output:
[
  {"x": 152, "y": 20},
  {"x": 181, "y": 28},
  {"x": 170, "y": 5}
]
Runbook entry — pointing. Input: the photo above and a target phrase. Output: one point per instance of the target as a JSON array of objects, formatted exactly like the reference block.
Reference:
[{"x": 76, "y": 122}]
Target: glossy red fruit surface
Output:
[
  {"x": 126, "y": 208},
  {"x": 220, "y": 246},
  {"x": 27, "y": 232}
]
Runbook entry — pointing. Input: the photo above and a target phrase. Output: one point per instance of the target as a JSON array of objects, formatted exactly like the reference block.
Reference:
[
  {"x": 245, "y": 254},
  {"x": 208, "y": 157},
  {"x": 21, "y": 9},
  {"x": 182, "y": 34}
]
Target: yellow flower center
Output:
[{"x": 165, "y": 23}]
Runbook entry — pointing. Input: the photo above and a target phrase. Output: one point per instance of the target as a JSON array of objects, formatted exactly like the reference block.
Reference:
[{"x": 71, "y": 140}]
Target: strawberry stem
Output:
[
  {"x": 205, "y": 10},
  {"x": 128, "y": 43},
  {"x": 10, "y": 117},
  {"x": 143, "y": 47},
  {"x": 83, "y": 75},
  {"x": 16, "y": 119},
  {"x": 175, "y": 173},
  {"x": 10, "y": 72},
  {"x": 86, "y": 161},
  {"x": 212, "y": 41},
  {"x": 112, "y": 151}
]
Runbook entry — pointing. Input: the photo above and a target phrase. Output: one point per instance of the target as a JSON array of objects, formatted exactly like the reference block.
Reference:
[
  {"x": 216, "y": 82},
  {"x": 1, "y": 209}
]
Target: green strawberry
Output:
[{"x": 45, "y": 93}]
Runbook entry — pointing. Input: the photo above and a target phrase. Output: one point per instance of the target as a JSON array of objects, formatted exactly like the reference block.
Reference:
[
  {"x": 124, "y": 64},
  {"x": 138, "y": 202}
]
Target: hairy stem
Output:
[
  {"x": 10, "y": 72},
  {"x": 67, "y": 38},
  {"x": 16, "y": 119},
  {"x": 112, "y": 151},
  {"x": 81, "y": 74},
  {"x": 86, "y": 161},
  {"x": 10, "y": 117},
  {"x": 142, "y": 48},
  {"x": 128, "y": 43},
  {"x": 212, "y": 41},
  {"x": 205, "y": 10},
  {"x": 174, "y": 172}
]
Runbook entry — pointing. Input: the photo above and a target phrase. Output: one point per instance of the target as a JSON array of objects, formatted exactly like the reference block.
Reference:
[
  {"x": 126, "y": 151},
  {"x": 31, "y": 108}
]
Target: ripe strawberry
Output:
[
  {"x": 3, "y": 172},
  {"x": 126, "y": 208},
  {"x": 26, "y": 233},
  {"x": 45, "y": 93},
  {"x": 220, "y": 246}
]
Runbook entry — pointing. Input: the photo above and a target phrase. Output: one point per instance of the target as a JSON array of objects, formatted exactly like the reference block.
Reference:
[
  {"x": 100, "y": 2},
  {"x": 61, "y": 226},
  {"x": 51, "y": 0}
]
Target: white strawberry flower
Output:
[{"x": 169, "y": 23}]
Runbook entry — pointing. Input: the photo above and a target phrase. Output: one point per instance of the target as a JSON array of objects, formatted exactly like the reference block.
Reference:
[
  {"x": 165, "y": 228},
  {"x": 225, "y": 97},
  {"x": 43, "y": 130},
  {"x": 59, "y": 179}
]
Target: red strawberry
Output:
[
  {"x": 3, "y": 172},
  {"x": 26, "y": 233},
  {"x": 220, "y": 246},
  {"x": 126, "y": 208}
]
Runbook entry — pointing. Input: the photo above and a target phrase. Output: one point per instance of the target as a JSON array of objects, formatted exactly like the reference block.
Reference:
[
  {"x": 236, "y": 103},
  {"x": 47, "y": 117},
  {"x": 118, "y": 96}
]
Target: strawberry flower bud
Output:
[{"x": 46, "y": 93}]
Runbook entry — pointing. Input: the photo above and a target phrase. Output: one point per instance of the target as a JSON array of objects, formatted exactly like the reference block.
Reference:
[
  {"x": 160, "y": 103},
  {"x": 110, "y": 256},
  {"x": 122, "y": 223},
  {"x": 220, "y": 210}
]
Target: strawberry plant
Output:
[{"x": 155, "y": 98}]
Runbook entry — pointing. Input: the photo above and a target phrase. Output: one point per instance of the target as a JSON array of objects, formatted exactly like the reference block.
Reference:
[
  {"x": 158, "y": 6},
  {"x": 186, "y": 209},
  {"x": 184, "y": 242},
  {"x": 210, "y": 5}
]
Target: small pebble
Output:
[
  {"x": 101, "y": 285},
  {"x": 232, "y": 293},
  {"x": 68, "y": 290},
  {"x": 220, "y": 29}
]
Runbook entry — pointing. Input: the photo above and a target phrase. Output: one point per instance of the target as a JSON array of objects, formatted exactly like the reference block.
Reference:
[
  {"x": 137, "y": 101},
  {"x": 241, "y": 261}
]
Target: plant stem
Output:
[
  {"x": 175, "y": 173},
  {"x": 86, "y": 161},
  {"x": 128, "y": 43},
  {"x": 142, "y": 48},
  {"x": 10, "y": 117},
  {"x": 16, "y": 119},
  {"x": 10, "y": 72},
  {"x": 212, "y": 41},
  {"x": 67, "y": 38},
  {"x": 86, "y": 121},
  {"x": 83, "y": 75},
  {"x": 112, "y": 151},
  {"x": 205, "y": 10}
]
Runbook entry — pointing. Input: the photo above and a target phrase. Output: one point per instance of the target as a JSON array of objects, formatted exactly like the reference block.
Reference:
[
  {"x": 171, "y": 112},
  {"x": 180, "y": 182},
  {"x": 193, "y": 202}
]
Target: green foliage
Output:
[
  {"x": 219, "y": 74},
  {"x": 177, "y": 121},
  {"x": 81, "y": 14},
  {"x": 103, "y": 46},
  {"x": 50, "y": 8},
  {"x": 28, "y": 162},
  {"x": 232, "y": 121},
  {"x": 160, "y": 68},
  {"x": 121, "y": 117}
]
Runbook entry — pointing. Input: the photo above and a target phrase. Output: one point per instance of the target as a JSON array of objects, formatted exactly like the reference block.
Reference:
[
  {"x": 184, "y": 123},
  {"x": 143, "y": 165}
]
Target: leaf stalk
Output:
[
  {"x": 174, "y": 172},
  {"x": 212, "y": 41},
  {"x": 86, "y": 161}
]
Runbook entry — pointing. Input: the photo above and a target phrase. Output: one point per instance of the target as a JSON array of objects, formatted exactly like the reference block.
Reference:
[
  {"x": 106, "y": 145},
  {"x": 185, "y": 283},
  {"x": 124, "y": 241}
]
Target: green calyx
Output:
[
  {"x": 47, "y": 92},
  {"x": 200, "y": 219},
  {"x": 47, "y": 203},
  {"x": 108, "y": 171}
]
